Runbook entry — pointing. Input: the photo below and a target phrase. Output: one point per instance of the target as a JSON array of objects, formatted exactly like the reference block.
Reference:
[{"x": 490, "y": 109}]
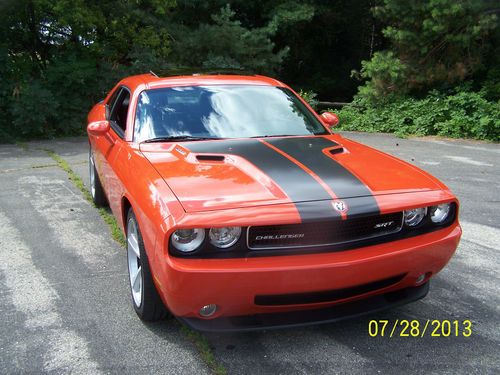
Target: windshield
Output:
[{"x": 222, "y": 111}]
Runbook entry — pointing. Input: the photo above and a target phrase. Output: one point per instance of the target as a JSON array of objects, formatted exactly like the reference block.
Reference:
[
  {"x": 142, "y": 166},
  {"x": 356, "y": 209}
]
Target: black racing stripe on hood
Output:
[
  {"x": 293, "y": 180},
  {"x": 309, "y": 152}
]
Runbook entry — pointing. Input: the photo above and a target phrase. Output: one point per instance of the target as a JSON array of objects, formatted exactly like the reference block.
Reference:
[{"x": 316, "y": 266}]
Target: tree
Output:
[
  {"x": 310, "y": 44},
  {"x": 433, "y": 43},
  {"x": 226, "y": 43},
  {"x": 60, "y": 56}
]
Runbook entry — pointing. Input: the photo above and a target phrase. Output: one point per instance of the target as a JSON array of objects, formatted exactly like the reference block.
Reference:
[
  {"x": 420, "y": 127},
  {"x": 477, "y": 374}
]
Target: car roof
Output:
[{"x": 152, "y": 81}]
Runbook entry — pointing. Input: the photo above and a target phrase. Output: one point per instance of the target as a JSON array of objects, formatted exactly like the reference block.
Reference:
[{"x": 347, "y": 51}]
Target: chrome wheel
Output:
[
  {"x": 134, "y": 262},
  {"x": 92, "y": 174}
]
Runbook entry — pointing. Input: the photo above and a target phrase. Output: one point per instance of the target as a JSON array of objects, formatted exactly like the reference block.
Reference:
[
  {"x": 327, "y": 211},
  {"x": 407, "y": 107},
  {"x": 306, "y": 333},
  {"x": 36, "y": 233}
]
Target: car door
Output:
[{"x": 111, "y": 147}]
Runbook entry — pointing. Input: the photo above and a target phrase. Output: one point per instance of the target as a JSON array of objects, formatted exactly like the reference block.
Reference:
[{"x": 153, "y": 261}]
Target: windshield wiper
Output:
[
  {"x": 272, "y": 135},
  {"x": 177, "y": 138}
]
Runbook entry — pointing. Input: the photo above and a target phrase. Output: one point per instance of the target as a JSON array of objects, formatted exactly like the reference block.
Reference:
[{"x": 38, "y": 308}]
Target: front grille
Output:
[
  {"x": 324, "y": 233},
  {"x": 326, "y": 295}
]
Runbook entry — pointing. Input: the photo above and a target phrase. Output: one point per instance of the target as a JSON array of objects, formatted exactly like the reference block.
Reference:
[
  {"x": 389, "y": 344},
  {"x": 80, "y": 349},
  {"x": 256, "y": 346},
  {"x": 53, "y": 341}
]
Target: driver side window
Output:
[{"x": 119, "y": 112}]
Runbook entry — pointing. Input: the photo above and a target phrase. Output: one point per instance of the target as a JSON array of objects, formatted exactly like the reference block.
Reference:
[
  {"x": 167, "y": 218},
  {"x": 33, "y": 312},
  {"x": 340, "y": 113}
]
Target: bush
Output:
[
  {"x": 56, "y": 104},
  {"x": 310, "y": 98},
  {"x": 34, "y": 111},
  {"x": 463, "y": 114}
]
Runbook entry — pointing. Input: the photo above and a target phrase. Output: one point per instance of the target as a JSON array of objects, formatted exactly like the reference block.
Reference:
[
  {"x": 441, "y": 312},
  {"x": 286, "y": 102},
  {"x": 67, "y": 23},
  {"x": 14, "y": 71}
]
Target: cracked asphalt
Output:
[{"x": 65, "y": 304}]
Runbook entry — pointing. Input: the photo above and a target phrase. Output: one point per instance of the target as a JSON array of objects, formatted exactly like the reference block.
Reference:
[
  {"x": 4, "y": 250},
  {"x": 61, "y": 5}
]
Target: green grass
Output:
[
  {"x": 198, "y": 340},
  {"x": 116, "y": 231},
  {"x": 203, "y": 347},
  {"x": 108, "y": 218},
  {"x": 22, "y": 145}
]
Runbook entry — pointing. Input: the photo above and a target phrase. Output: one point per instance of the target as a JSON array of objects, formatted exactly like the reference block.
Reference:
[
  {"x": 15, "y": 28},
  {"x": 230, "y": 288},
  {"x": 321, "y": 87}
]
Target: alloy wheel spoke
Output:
[
  {"x": 92, "y": 176},
  {"x": 134, "y": 262},
  {"x": 136, "y": 280},
  {"x": 132, "y": 242}
]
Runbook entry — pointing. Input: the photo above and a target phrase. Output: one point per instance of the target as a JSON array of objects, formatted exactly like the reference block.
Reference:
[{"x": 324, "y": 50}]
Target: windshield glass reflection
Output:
[{"x": 222, "y": 111}]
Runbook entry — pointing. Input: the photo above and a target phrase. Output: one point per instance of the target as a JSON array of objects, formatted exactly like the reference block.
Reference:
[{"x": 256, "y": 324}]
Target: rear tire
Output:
[
  {"x": 96, "y": 190},
  {"x": 145, "y": 298}
]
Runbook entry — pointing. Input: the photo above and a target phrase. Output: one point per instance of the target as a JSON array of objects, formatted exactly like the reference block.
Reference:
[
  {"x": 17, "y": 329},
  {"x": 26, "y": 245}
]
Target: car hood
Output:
[{"x": 235, "y": 173}]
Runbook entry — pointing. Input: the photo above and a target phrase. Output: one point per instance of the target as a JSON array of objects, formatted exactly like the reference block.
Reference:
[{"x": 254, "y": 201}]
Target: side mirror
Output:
[
  {"x": 329, "y": 119},
  {"x": 98, "y": 128}
]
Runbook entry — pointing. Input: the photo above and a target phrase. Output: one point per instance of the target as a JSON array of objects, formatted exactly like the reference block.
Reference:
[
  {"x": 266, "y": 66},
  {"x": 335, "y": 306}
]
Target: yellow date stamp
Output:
[{"x": 417, "y": 328}]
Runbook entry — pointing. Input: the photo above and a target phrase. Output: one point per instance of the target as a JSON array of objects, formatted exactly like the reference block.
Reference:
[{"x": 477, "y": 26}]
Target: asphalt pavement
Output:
[{"x": 65, "y": 305}]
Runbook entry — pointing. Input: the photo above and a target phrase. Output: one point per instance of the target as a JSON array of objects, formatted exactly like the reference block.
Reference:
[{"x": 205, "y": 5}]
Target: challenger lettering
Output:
[{"x": 280, "y": 237}]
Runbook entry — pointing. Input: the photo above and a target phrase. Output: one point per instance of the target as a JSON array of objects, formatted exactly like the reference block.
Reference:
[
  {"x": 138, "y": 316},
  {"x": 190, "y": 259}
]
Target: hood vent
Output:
[
  {"x": 336, "y": 150},
  {"x": 210, "y": 157}
]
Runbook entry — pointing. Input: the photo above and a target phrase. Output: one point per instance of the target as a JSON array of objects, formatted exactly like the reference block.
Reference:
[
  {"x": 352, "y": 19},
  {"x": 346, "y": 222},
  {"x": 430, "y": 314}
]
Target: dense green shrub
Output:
[
  {"x": 461, "y": 114},
  {"x": 432, "y": 44},
  {"x": 310, "y": 97},
  {"x": 59, "y": 57}
]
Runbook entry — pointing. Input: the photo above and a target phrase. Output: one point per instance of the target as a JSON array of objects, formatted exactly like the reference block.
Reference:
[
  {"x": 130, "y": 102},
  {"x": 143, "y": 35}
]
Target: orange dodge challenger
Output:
[{"x": 243, "y": 210}]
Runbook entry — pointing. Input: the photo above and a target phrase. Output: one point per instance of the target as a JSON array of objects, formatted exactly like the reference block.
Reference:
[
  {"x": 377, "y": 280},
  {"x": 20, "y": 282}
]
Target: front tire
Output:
[
  {"x": 96, "y": 190},
  {"x": 147, "y": 303}
]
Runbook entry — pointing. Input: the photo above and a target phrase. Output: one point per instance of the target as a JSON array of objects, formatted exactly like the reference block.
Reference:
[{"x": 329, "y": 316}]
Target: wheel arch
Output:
[{"x": 125, "y": 207}]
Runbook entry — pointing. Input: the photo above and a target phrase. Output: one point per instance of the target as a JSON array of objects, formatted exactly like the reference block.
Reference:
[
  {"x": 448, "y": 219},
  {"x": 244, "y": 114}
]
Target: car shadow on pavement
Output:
[{"x": 351, "y": 345}]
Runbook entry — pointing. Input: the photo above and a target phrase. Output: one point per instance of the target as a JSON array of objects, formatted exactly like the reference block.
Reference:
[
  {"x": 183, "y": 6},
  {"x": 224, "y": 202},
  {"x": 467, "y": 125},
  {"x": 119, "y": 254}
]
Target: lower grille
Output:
[
  {"x": 325, "y": 296},
  {"x": 324, "y": 233}
]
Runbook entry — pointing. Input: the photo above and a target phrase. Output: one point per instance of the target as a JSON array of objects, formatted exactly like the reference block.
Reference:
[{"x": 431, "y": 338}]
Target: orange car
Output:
[{"x": 242, "y": 210}]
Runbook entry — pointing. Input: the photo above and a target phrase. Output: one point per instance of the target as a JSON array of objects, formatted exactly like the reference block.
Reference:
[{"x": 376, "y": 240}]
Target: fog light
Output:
[
  {"x": 420, "y": 279},
  {"x": 208, "y": 310}
]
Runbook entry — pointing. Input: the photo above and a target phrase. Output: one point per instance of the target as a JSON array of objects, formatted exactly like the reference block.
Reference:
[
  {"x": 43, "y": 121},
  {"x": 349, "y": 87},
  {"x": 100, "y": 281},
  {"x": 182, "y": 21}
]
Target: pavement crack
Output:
[{"x": 37, "y": 166}]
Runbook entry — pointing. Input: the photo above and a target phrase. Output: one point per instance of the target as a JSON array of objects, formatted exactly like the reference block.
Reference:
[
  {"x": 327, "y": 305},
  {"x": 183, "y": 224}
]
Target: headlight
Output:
[
  {"x": 224, "y": 237},
  {"x": 415, "y": 216},
  {"x": 188, "y": 240},
  {"x": 440, "y": 213}
]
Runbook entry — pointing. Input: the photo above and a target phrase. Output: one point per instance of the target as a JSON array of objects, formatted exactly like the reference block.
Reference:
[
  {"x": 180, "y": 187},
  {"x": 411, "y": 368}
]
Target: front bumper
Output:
[
  {"x": 329, "y": 314},
  {"x": 234, "y": 284}
]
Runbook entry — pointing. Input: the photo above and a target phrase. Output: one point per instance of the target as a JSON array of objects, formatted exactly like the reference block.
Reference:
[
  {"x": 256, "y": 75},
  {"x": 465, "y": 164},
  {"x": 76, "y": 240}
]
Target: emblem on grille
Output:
[
  {"x": 339, "y": 206},
  {"x": 279, "y": 236},
  {"x": 383, "y": 225}
]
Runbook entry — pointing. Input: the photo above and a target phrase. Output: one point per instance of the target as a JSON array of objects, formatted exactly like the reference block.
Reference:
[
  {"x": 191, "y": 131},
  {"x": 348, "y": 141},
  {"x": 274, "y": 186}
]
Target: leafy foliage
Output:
[
  {"x": 433, "y": 43},
  {"x": 310, "y": 98},
  {"x": 386, "y": 73},
  {"x": 461, "y": 114},
  {"x": 59, "y": 57},
  {"x": 226, "y": 43}
]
